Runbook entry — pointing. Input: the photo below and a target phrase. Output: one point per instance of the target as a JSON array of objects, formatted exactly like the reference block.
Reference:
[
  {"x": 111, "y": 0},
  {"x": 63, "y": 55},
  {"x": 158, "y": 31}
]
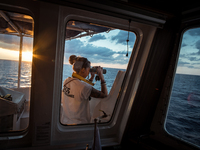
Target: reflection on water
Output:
[{"x": 9, "y": 74}]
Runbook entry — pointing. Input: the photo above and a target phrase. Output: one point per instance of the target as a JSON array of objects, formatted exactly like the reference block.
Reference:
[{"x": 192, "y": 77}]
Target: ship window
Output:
[
  {"x": 102, "y": 46},
  {"x": 16, "y": 48},
  {"x": 183, "y": 119}
]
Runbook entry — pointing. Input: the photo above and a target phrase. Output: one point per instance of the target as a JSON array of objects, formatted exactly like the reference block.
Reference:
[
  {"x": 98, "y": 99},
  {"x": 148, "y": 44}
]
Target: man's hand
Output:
[{"x": 100, "y": 72}]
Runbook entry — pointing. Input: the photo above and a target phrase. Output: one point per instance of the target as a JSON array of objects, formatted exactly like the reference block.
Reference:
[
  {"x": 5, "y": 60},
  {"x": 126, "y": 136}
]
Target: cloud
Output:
[
  {"x": 73, "y": 46},
  {"x": 5, "y": 38},
  {"x": 182, "y": 63},
  {"x": 93, "y": 53},
  {"x": 189, "y": 58},
  {"x": 183, "y": 45},
  {"x": 9, "y": 42},
  {"x": 101, "y": 51},
  {"x": 182, "y": 56},
  {"x": 77, "y": 46},
  {"x": 123, "y": 52},
  {"x": 197, "y": 44},
  {"x": 122, "y": 36},
  {"x": 9, "y": 46},
  {"x": 12, "y": 42},
  {"x": 190, "y": 66},
  {"x": 27, "y": 43},
  {"x": 194, "y": 32},
  {"x": 193, "y": 58},
  {"x": 97, "y": 37}
]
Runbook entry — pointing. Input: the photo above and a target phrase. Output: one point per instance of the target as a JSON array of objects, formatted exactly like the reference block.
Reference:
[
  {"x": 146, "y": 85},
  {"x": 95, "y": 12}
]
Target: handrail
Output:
[{"x": 6, "y": 18}]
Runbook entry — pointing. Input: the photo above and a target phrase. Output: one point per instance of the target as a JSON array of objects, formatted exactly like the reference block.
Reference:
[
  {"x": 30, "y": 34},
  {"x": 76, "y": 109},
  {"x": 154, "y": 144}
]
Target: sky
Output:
[
  {"x": 103, "y": 49},
  {"x": 189, "y": 57},
  {"x": 108, "y": 49},
  {"x": 9, "y": 47}
]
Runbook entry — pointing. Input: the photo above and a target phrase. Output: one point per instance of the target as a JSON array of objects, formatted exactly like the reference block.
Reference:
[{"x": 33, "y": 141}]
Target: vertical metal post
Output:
[{"x": 20, "y": 59}]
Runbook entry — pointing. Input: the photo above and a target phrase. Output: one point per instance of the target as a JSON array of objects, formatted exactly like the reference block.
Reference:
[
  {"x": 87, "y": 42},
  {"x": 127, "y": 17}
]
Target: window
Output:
[
  {"x": 16, "y": 47},
  {"x": 183, "y": 119},
  {"x": 102, "y": 46}
]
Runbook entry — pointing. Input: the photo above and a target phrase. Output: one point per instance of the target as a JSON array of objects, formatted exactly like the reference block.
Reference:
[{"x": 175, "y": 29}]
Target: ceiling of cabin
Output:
[
  {"x": 76, "y": 29},
  {"x": 166, "y": 7},
  {"x": 163, "y": 6},
  {"x": 16, "y": 24}
]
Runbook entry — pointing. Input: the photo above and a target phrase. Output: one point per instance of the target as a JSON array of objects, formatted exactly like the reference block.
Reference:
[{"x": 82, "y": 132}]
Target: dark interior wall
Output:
[{"x": 152, "y": 80}]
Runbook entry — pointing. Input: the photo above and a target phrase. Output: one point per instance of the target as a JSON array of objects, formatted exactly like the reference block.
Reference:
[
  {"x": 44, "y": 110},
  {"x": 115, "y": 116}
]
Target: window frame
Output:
[
  {"x": 67, "y": 134},
  {"x": 17, "y": 135},
  {"x": 122, "y": 85},
  {"x": 158, "y": 125},
  {"x": 21, "y": 39}
]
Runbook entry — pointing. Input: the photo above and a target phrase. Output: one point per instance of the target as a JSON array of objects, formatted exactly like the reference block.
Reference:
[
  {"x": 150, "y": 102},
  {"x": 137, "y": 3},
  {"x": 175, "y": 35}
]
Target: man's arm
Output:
[
  {"x": 103, "y": 93},
  {"x": 97, "y": 94}
]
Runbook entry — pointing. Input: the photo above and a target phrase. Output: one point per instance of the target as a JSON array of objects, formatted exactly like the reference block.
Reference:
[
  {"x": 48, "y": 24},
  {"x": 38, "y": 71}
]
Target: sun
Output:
[{"x": 27, "y": 56}]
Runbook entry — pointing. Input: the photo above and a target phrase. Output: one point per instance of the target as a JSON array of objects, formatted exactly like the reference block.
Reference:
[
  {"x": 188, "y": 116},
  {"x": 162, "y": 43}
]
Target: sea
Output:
[
  {"x": 183, "y": 119},
  {"x": 9, "y": 74}
]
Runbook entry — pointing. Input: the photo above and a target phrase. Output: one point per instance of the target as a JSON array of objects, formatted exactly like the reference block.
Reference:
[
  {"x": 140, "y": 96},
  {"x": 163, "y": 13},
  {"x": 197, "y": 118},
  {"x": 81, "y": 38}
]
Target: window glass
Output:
[
  {"x": 183, "y": 119},
  {"x": 27, "y": 52},
  {"x": 102, "y": 46},
  {"x": 16, "y": 47}
]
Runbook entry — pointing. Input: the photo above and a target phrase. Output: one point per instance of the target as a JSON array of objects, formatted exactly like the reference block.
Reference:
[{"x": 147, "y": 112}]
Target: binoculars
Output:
[{"x": 95, "y": 70}]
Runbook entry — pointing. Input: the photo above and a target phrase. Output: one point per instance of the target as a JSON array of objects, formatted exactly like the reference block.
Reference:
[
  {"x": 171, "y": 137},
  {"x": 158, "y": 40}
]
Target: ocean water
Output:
[
  {"x": 183, "y": 118},
  {"x": 9, "y": 74}
]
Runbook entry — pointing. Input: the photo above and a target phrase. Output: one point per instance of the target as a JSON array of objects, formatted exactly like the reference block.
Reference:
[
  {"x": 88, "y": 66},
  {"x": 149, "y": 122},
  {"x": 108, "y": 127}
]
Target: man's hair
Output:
[{"x": 79, "y": 62}]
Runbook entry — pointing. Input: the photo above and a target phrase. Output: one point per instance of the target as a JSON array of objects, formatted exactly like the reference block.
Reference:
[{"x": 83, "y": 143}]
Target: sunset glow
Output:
[
  {"x": 27, "y": 56},
  {"x": 14, "y": 55},
  {"x": 9, "y": 54}
]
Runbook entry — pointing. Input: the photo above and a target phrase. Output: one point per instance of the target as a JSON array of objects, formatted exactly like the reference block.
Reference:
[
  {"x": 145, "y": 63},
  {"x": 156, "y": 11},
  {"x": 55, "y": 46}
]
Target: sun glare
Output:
[
  {"x": 14, "y": 55},
  {"x": 27, "y": 56}
]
